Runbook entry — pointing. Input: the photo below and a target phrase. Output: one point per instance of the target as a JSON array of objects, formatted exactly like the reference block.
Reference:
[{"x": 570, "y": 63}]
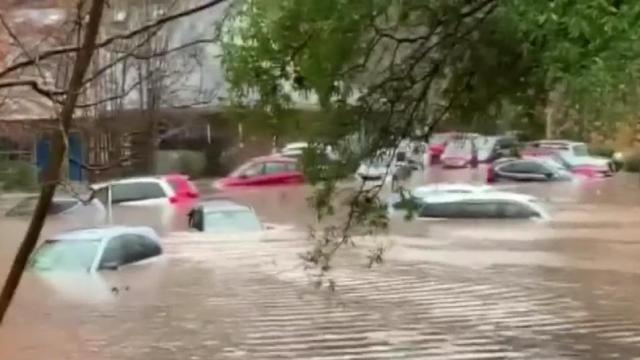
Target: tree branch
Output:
[
  {"x": 35, "y": 85},
  {"x": 108, "y": 41},
  {"x": 58, "y": 151}
]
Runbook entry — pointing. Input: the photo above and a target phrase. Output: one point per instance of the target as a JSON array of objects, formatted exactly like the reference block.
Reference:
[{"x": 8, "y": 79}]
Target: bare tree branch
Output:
[
  {"x": 59, "y": 149},
  {"x": 45, "y": 54},
  {"x": 34, "y": 84}
]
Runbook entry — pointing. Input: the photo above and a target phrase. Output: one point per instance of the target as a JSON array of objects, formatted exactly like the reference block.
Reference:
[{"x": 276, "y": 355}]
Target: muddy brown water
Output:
[{"x": 473, "y": 289}]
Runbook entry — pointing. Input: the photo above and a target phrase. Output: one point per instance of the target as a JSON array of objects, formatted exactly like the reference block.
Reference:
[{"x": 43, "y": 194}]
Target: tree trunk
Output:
[{"x": 52, "y": 175}]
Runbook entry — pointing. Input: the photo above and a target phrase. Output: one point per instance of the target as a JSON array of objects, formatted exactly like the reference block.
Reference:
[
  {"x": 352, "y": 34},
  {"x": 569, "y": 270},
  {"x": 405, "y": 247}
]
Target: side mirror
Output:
[{"x": 549, "y": 175}]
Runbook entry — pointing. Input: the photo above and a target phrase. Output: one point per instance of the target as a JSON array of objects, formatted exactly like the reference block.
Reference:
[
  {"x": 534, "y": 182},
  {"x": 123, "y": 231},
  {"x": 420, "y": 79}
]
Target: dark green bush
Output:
[
  {"x": 604, "y": 151},
  {"x": 18, "y": 176},
  {"x": 632, "y": 162}
]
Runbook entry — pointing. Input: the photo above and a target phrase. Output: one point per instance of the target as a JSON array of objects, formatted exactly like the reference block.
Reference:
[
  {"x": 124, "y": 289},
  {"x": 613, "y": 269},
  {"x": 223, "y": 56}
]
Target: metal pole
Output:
[{"x": 109, "y": 206}]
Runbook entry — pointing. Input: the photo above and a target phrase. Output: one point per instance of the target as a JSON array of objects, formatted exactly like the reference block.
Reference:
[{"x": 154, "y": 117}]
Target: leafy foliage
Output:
[{"x": 395, "y": 69}]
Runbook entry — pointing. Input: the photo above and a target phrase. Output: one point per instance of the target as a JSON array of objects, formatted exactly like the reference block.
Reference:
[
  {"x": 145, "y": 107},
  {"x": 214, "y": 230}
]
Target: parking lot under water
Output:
[{"x": 563, "y": 289}]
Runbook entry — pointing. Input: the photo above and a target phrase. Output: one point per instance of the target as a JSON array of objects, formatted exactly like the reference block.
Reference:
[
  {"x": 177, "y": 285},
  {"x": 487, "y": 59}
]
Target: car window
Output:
[
  {"x": 524, "y": 167},
  {"x": 143, "y": 190},
  {"x": 249, "y": 170},
  {"x": 580, "y": 150},
  {"x": 478, "y": 209},
  {"x": 440, "y": 210},
  {"x": 66, "y": 255},
  {"x": 231, "y": 221},
  {"x": 101, "y": 194},
  {"x": 516, "y": 210},
  {"x": 127, "y": 249},
  {"x": 292, "y": 167},
  {"x": 275, "y": 168},
  {"x": 458, "y": 148},
  {"x": 176, "y": 185}
]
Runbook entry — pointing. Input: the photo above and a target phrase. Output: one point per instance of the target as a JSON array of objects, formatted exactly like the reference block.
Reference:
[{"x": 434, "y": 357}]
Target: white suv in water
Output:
[
  {"x": 574, "y": 154},
  {"x": 478, "y": 203}
]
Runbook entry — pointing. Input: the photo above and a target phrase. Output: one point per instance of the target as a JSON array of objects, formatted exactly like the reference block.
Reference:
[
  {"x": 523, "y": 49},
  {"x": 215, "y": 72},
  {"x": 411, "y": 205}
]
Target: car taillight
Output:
[
  {"x": 192, "y": 194},
  {"x": 491, "y": 174}
]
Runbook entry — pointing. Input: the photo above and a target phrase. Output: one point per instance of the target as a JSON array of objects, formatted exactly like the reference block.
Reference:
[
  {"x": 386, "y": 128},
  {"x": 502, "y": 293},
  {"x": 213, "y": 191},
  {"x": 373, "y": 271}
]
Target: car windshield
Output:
[
  {"x": 232, "y": 221},
  {"x": 485, "y": 145},
  {"x": 580, "y": 150},
  {"x": 438, "y": 139},
  {"x": 458, "y": 148},
  {"x": 67, "y": 255},
  {"x": 244, "y": 169}
]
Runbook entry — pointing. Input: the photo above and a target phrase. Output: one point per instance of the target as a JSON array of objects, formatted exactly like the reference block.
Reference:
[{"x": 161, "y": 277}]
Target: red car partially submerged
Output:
[
  {"x": 459, "y": 153},
  {"x": 439, "y": 141},
  {"x": 182, "y": 187},
  {"x": 263, "y": 171}
]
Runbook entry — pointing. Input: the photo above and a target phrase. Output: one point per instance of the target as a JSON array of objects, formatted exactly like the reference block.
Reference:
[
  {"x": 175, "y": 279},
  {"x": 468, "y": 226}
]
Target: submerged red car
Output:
[
  {"x": 459, "y": 154},
  {"x": 439, "y": 141},
  {"x": 263, "y": 171},
  {"x": 182, "y": 187}
]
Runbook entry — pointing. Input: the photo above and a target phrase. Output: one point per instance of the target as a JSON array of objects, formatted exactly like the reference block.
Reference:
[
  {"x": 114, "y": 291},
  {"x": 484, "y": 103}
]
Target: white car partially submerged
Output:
[
  {"x": 96, "y": 249},
  {"x": 472, "y": 203},
  {"x": 448, "y": 188},
  {"x": 228, "y": 220}
]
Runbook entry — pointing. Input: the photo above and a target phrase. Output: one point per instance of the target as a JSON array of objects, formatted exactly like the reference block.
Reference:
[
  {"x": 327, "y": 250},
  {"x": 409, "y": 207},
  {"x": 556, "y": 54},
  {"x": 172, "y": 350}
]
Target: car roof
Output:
[
  {"x": 293, "y": 145},
  {"x": 175, "y": 176},
  {"x": 449, "y": 188},
  {"x": 130, "y": 180},
  {"x": 553, "y": 143},
  {"x": 480, "y": 195},
  {"x": 223, "y": 205},
  {"x": 101, "y": 232},
  {"x": 541, "y": 159},
  {"x": 277, "y": 158}
]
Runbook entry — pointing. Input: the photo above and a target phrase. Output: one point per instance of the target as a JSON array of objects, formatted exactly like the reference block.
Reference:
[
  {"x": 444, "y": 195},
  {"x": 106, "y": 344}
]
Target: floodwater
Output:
[{"x": 564, "y": 289}]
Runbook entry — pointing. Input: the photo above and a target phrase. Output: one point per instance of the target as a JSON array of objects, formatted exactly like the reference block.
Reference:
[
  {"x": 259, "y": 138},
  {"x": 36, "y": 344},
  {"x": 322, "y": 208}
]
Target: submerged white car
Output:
[
  {"x": 96, "y": 249},
  {"x": 475, "y": 204},
  {"x": 229, "y": 220}
]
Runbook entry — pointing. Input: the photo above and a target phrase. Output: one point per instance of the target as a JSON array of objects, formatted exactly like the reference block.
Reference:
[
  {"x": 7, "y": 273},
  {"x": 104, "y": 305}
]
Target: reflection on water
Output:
[{"x": 572, "y": 280}]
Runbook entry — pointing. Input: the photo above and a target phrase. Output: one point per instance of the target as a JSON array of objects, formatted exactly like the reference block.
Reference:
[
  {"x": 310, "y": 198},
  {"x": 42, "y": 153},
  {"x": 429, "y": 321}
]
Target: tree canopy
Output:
[{"x": 403, "y": 67}]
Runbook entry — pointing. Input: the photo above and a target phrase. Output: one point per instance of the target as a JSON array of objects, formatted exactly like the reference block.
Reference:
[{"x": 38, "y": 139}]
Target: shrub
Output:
[
  {"x": 602, "y": 150},
  {"x": 190, "y": 163},
  {"x": 18, "y": 176},
  {"x": 632, "y": 162}
]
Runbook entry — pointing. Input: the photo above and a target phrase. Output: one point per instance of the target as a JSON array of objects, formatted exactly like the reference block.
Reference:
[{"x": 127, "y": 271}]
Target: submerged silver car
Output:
[{"x": 95, "y": 249}]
